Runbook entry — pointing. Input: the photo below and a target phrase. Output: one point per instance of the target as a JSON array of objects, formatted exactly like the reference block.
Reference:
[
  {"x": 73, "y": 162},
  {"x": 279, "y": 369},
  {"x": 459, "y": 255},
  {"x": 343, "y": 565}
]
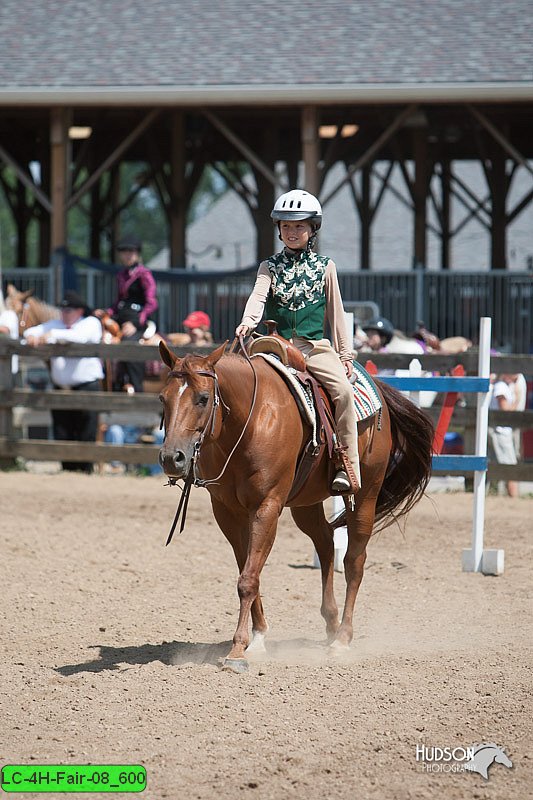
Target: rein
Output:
[{"x": 192, "y": 478}]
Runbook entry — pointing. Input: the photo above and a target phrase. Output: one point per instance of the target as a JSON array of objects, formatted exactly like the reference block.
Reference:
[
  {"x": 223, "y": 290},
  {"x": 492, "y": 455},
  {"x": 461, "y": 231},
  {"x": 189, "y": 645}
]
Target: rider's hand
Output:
[
  {"x": 242, "y": 330},
  {"x": 128, "y": 329},
  {"x": 348, "y": 366}
]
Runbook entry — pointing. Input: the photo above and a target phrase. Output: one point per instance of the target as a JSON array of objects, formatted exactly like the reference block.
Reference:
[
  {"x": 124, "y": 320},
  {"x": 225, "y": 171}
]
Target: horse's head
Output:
[
  {"x": 16, "y": 299},
  {"x": 188, "y": 399},
  {"x": 28, "y": 309}
]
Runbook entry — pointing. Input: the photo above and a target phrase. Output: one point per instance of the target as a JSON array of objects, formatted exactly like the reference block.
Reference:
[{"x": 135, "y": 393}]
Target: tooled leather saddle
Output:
[{"x": 327, "y": 434}]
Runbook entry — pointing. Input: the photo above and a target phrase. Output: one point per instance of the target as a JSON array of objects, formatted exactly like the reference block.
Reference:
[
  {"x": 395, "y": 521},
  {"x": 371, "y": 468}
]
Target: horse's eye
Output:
[
  {"x": 202, "y": 399},
  {"x": 161, "y": 400}
]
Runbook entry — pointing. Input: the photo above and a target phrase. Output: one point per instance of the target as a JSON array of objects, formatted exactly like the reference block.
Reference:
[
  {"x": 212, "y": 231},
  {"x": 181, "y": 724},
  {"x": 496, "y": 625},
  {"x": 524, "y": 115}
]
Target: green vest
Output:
[{"x": 297, "y": 297}]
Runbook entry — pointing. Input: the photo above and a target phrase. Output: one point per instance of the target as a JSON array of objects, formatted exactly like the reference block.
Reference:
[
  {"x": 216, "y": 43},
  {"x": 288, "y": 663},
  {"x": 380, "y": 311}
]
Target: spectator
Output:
[
  {"x": 75, "y": 374},
  {"x": 197, "y": 331},
  {"x": 9, "y": 326},
  {"x": 379, "y": 332},
  {"x": 505, "y": 396},
  {"x": 120, "y": 434},
  {"x": 382, "y": 337},
  {"x": 198, "y": 326},
  {"x": 135, "y": 302}
]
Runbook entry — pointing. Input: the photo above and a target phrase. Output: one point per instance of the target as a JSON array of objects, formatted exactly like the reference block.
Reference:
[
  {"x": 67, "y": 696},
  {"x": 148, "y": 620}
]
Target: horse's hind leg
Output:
[
  {"x": 312, "y": 521},
  {"x": 360, "y": 523},
  {"x": 234, "y": 525}
]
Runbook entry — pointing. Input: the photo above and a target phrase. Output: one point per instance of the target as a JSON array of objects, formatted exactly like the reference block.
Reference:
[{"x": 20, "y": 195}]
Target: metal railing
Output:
[{"x": 450, "y": 303}]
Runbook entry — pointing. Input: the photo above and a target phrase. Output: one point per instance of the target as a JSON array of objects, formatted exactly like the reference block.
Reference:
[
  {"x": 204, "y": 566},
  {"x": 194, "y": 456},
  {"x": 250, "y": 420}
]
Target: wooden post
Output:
[
  {"x": 310, "y": 148},
  {"x": 21, "y": 218},
  {"x": 420, "y": 195},
  {"x": 445, "y": 193},
  {"x": 265, "y": 229},
  {"x": 44, "y": 217},
  {"x": 498, "y": 189},
  {"x": 96, "y": 218},
  {"x": 365, "y": 217},
  {"x": 58, "y": 145},
  {"x": 6, "y": 413},
  {"x": 177, "y": 191},
  {"x": 113, "y": 204}
]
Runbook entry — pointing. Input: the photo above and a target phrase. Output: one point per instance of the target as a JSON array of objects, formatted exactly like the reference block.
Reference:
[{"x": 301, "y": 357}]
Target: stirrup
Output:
[{"x": 341, "y": 482}]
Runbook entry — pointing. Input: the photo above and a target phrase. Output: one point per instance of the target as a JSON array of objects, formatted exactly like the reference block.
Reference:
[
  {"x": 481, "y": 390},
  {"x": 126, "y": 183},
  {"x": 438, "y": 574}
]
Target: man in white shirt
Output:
[
  {"x": 75, "y": 374},
  {"x": 502, "y": 446},
  {"x": 9, "y": 326}
]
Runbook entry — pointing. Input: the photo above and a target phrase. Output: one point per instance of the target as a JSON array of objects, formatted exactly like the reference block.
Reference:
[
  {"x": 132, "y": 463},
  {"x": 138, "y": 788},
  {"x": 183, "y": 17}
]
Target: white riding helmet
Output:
[{"x": 298, "y": 204}]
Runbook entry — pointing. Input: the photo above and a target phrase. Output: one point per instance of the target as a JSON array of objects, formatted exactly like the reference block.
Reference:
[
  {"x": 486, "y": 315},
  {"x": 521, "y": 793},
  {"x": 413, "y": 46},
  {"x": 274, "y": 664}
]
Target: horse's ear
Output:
[
  {"x": 167, "y": 356},
  {"x": 216, "y": 354}
]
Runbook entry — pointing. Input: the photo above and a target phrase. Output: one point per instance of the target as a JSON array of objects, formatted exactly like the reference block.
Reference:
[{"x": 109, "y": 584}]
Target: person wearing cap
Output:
[
  {"x": 198, "y": 326},
  {"x": 379, "y": 332},
  {"x": 75, "y": 374},
  {"x": 299, "y": 290},
  {"x": 136, "y": 301}
]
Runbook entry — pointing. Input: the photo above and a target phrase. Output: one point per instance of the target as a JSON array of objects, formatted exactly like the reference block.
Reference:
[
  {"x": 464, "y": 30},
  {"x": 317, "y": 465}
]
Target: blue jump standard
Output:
[
  {"x": 459, "y": 463},
  {"x": 444, "y": 383}
]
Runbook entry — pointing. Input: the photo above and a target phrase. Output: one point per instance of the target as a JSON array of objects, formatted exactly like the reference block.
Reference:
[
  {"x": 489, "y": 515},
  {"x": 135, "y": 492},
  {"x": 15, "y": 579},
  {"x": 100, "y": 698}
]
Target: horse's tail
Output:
[{"x": 409, "y": 467}]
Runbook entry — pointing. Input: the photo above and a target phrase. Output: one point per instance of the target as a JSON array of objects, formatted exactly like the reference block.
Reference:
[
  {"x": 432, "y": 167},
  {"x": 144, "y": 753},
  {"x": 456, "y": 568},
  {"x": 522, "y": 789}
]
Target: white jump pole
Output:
[
  {"x": 340, "y": 538},
  {"x": 476, "y": 559}
]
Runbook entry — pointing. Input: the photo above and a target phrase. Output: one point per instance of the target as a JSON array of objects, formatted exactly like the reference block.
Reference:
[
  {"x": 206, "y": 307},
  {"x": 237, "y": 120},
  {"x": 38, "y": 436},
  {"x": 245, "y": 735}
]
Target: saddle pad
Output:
[
  {"x": 367, "y": 401},
  {"x": 365, "y": 394}
]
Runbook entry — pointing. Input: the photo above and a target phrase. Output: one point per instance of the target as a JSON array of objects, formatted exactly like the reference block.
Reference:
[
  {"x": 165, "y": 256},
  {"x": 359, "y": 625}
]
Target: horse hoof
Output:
[
  {"x": 257, "y": 645},
  {"x": 338, "y": 649},
  {"x": 237, "y": 665}
]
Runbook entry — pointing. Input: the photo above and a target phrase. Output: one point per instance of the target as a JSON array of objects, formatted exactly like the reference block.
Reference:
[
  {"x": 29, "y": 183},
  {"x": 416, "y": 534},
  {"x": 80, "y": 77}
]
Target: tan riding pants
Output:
[{"x": 325, "y": 365}]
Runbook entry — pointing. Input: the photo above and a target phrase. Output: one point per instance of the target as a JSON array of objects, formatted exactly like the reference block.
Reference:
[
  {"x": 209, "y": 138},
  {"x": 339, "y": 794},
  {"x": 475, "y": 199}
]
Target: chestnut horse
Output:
[
  {"x": 29, "y": 309},
  {"x": 235, "y": 424}
]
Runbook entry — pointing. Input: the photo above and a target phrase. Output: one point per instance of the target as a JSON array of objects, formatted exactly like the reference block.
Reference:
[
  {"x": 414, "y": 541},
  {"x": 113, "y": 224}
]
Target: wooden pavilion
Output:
[{"x": 180, "y": 85}]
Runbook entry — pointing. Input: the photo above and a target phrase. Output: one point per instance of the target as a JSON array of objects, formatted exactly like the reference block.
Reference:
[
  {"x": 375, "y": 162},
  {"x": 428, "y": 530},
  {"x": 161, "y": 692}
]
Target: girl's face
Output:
[
  {"x": 128, "y": 257},
  {"x": 295, "y": 234}
]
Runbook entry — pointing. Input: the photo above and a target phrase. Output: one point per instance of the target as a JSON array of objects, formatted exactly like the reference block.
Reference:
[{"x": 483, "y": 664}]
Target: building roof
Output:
[{"x": 185, "y": 52}]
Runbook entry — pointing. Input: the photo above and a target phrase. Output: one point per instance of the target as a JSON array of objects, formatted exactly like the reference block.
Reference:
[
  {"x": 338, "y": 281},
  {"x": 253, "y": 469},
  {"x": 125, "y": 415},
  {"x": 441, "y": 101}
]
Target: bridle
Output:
[
  {"x": 23, "y": 319},
  {"x": 192, "y": 478},
  {"x": 209, "y": 426}
]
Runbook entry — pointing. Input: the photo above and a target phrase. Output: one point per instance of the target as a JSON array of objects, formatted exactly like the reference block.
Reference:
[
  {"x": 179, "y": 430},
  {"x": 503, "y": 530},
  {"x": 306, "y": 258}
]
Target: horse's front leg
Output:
[
  {"x": 234, "y": 523},
  {"x": 262, "y": 532}
]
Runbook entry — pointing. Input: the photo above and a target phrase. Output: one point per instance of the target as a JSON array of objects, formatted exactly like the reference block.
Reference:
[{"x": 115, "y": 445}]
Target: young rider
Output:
[{"x": 299, "y": 290}]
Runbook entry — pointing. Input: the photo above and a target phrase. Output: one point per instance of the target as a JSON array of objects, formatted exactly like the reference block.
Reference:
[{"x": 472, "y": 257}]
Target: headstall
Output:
[{"x": 192, "y": 478}]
